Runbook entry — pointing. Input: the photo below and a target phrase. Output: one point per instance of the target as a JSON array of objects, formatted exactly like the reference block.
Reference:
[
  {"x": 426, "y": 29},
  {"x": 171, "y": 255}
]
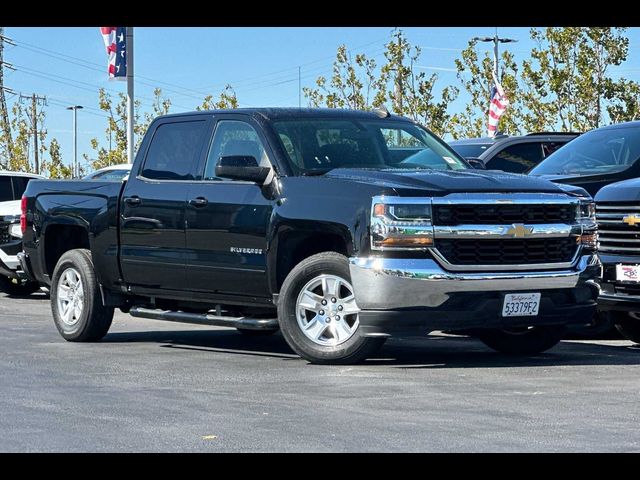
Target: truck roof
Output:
[{"x": 279, "y": 113}]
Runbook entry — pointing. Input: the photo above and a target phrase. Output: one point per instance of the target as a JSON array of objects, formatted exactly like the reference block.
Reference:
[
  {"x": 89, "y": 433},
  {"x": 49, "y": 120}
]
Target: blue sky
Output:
[{"x": 260, "y": 63}]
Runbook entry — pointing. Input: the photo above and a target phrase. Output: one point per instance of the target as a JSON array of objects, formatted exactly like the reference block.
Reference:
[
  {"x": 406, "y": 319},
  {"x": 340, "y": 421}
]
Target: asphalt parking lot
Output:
[{"x": 156, "y": 386}]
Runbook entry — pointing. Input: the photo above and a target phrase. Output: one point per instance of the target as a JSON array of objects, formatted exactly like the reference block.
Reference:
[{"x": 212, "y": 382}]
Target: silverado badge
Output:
[
  {"x": 632, "y": 220},
  {"x": 517, "y": 230}
]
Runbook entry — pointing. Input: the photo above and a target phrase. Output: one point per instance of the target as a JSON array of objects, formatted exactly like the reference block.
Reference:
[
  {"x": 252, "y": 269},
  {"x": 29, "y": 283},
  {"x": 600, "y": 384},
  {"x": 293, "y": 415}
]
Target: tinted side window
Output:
[
  {"x": 173, "y": 150},
  {"x": 6, "y": 192},
  {"x": 19, "y": 186},
  {"x": 517, "y": 158},
  {"x": 549, "y": 147},
  {"x": 233, "y": 137}
]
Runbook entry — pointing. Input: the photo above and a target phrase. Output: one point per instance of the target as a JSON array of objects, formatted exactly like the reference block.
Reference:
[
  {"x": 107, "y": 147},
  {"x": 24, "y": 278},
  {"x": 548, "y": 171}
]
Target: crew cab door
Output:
[
  {"x": 228, "y": 219},
  {"x": 152, "y": 221}
]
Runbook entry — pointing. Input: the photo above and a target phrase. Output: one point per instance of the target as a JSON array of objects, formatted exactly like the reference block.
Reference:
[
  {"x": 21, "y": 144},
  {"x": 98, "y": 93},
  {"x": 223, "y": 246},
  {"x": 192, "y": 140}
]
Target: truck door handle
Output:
[
  {"x": 133, "y": 201},
  {"x": 198, "y": 202}
]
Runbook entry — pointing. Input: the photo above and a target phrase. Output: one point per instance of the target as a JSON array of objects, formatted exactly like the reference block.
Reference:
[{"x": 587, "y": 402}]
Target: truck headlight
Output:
[
  {"x": 15, "y": 231},
  {"x": 587, "y": 211},
  {"x": 587, "y": 217},
  {"x": 399, "y": 223}
]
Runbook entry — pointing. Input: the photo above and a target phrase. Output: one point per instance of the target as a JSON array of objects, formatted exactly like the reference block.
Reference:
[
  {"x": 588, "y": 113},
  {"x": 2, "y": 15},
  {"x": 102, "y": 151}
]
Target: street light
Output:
[
  {"x": 75, "y": 108},
  {"x": 496, "y": 40}
]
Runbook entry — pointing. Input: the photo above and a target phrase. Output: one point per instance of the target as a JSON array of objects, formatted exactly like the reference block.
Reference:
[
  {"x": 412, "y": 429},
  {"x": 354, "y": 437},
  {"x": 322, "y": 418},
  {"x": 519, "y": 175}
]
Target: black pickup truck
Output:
[
  {"x": 339, "y": 228},
  {"x": 618, "y": 214}
]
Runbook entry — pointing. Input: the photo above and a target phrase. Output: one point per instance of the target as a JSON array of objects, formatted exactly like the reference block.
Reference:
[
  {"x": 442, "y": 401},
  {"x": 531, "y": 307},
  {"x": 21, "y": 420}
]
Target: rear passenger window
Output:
[
  {"x": 517, "y": 158},
  {"x": 173, "y": 151},
  {"x": 6, "y": 192},
  {"x": 19, "y": 186}
]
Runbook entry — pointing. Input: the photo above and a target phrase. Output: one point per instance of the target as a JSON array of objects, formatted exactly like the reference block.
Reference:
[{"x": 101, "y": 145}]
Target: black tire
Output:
[
  {"x": 95, "y": 319},
  {"x": 628, "y": 326},
  {"x": 17, "y": 288},
  {"x": 353, "y": 350},
  {"x": 256, "y": 333},
  {"x": 523, "y": 342}
]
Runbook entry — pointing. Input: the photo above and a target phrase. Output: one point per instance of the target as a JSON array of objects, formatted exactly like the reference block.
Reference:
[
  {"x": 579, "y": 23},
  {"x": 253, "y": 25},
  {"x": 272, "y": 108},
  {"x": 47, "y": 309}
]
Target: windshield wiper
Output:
[{"x": 316, "y": 172}]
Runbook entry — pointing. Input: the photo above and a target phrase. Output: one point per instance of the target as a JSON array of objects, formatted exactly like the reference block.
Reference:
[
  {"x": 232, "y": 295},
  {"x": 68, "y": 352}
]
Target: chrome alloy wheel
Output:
[
  {"x": 70, "y": 296},
  {"x": 326, "y": 310}
]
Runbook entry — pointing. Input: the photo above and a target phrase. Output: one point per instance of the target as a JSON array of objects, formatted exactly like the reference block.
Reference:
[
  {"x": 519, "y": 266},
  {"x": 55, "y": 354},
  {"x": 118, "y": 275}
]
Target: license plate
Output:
[
  {"x": 521, "y": 304},
  {"x": 628, "y": 273}
]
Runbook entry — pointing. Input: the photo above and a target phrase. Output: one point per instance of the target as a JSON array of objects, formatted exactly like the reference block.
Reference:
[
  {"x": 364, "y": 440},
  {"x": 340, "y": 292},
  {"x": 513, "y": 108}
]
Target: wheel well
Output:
[
  {"x": 60, "y": 239},
  {"x": 297, "y": 247}
]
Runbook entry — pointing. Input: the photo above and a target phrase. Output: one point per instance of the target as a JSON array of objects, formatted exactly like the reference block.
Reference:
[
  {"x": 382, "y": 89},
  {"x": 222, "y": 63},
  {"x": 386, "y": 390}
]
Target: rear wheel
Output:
[
  {"x": 76, "y": 302},
  {"x": 16, "y": 287},
  {"x": 523, "y": 341},
  {"x": 318, "y": 314},
  {"x": 628, "y": 326}
]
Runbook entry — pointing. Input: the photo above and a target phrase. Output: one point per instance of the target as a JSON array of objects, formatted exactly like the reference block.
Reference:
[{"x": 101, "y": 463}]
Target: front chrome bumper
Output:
[{"x": 395, "y": 283}]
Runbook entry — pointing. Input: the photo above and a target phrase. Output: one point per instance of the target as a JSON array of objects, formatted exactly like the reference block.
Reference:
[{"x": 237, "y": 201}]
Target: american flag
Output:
[
  {"x": 498, "y": 105},
  {"x": 115, "y": 40}
]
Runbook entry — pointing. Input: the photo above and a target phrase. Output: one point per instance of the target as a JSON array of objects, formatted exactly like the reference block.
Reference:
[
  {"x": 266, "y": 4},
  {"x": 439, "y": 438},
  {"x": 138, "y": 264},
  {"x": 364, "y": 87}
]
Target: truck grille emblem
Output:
[
  {"x": 518, "y": 230},
  {"x": 631, "y": 220}
]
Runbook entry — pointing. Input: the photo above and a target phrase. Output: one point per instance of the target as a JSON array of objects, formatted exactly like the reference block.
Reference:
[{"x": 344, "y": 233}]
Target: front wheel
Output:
[
  {"x": 628, "y": 326},
  {"x": 76, "y": 302},
  {"x": 523, "y": 341},
  {"x": 318, "y": 314}
]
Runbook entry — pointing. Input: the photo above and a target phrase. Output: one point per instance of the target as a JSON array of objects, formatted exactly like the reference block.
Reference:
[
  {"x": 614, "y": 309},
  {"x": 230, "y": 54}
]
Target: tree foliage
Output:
[
  {"x": 567, "y": 80},
  {"x": 227, "y": 99},
  {"x": 358, "y": 82},
  {"x": 474, "y": 72}
]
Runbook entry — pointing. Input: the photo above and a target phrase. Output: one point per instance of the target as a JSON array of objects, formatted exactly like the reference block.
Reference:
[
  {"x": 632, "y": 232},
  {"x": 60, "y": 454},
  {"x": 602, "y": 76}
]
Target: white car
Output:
[
  {"x": 114, "y": 173},
  {"x": 12, "y": 186}
]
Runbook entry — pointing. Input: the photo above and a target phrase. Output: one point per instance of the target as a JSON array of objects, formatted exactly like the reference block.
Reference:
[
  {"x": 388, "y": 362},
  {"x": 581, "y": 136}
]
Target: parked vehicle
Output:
[
  {"x": 115, "y": 173},
  {"x": 12, "y": 186},
  {"x": 517, "y": 154},
  {"x": 618, "y": 214},
  {"x": 595, "y": 159},
  {"x": 341, "y": 228}
]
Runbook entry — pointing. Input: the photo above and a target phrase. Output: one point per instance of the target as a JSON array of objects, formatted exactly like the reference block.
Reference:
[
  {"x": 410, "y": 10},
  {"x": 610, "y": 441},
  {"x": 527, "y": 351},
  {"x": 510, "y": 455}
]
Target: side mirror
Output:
[
  {"x": 242, "y": 167},
  {"x": 476, "y": 163}
]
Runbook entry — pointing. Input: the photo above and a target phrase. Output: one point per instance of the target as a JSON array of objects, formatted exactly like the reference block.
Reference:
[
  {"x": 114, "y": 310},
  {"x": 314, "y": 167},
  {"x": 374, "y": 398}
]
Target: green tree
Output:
[
  {"x": 567, "y": 81},
  {"x": 354, "y": 84},
  {"x": 54, "y": 166},
  {"x": 475, "y": 76},
  {"x": 22, "y": 145},
  {"x": 227, "y": 99},
  {"x": 358, "y": 82}
]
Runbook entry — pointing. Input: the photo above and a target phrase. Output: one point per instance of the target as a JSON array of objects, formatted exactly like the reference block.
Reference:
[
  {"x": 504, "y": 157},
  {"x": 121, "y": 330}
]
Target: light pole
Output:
[
  {"x": 496, "y": 40},
  {"x": 75, "y": 108}
]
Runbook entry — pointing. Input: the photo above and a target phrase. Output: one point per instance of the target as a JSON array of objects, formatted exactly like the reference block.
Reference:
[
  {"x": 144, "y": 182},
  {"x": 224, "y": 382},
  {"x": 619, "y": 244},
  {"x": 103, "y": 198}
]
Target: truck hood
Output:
[
  {"x": 625, "y": 191},
  {"x": 10, "y": 208},
  {"x": 448, "y": 181}
]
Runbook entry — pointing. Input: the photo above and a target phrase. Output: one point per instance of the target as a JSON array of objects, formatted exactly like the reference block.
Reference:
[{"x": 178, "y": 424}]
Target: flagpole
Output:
[{"x": 130, "y": 101}]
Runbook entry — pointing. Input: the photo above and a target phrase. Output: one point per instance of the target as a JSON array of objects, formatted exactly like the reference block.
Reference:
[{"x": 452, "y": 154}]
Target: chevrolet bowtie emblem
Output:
[
  {"x": 631, "y": 220},
  {"x": 518, "y": 230}
]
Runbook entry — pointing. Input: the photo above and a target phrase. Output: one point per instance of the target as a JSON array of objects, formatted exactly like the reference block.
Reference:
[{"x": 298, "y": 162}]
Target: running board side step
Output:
[{"x": 206, "y": 319}]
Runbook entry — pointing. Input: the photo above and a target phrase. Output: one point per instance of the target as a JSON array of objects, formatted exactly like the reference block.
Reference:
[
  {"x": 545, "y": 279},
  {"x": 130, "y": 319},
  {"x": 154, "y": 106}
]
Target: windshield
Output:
[
  {"x": 596, "y": 152},
  {"x": 473, "y": 150},
  {"x": 320, "y": 145}
]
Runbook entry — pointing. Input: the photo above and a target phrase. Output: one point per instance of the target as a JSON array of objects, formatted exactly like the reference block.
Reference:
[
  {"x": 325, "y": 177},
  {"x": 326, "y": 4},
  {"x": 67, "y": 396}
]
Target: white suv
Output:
[{"x": 12, "y": 186}]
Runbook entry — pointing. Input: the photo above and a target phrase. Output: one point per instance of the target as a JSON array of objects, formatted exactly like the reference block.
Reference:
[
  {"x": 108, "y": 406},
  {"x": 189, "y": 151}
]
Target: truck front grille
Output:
[
  {"x": 495, "y": 214},
  {"x": 614, "y": 234},
  {"x": 474, "y": 252}
]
